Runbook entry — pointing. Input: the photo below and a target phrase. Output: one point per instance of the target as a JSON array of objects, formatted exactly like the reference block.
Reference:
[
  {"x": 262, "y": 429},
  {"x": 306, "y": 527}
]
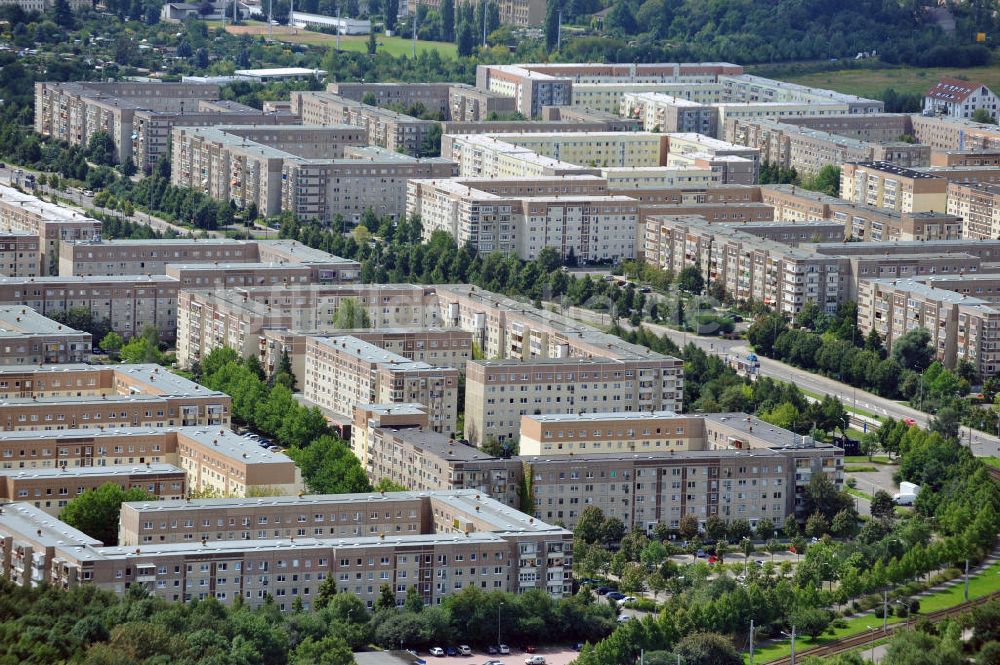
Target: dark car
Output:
[
  {"x": 492, "y": 650},
  {"x": 701, "y": 554},
  {"x": 616, "y": 595},
  {"x": 604, "y": 590},
  {"x": 451, "y": 651}
]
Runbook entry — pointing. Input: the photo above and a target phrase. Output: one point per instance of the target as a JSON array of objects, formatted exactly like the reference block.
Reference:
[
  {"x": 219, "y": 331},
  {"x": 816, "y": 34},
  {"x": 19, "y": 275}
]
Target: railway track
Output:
[
  {"x": 994, "y": 473},
  {"x": 864, "y": 639}
]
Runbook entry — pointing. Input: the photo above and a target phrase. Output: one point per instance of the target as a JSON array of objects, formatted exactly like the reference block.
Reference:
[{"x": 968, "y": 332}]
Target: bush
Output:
[{"x": 642, "y": 605}]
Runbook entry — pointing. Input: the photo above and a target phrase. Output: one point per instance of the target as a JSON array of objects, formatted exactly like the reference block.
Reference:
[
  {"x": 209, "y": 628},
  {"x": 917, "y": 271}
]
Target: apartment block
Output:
[
  {"x": 370, "y": 419},
  {"x": 469, "y": 104},
  {"x": 438, "y": 543},
  {"x": 554, "y": 84},
  {"x": 860, "y": 221},
  {"x": 965, "y": 158},
  {"x": 50, "y": 223},
  {"x": 665, "y": 113},
  {"x": 207, "y": 262},
  {"x": 215, "y": 459},
  {"x": 323, "y": 173},
  {"x": 979, "y": 207},
  {"x": 20, "y": 255},
  {"x": 432, "y": 96},
  {"x": 809, "y": 150},
  {"x": 138, "y": 116},
  {"x": 51, "y": 489},
  {"x": 729, "y": 465},
  {"x": 239, "y": 318},
  {"x": 886, "y": 185},
  {"x": 962, "y": 327},
  {"x": 382, "y": 127},
  {"x": 519, "y": 13},
  {"x": 945, "y": 133},
  {"x": 575, "y": 216},
  {"x": 28, "y": 338},
  {"x": 341, "y": 372},
  {"x": 129, "y": 303},
  {"x": 734, "y": 164},
  {"x": 73, "y": 396}
]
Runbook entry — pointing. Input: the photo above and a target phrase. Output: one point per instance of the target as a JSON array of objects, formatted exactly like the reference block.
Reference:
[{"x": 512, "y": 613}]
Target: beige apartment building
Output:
[
  {"x": 50, "y": 490},
  {"x": 537, "y": 85},
  {"x": 129, "y": 303},
  {"x": 432, "y": 96},
  {"x": 962, "y": 327},
  {"x": 952, "y": 158},
  {"x": 613, "y": 433},
  {"x": 979, "y": 207},
  {"x": 438, "y": 543},
  {"x": 523, "y": 216},
  {"x": 943, "y": 133},
  {"x": 729, "y": 465},
  {"x": 886, "y": 185},
  {"x": 342, "y": 372},
  {"x": 665, "y": 113},
  {"x": 20, "y": 255},
  {"x": 28, "y": 338},
  {"x": 863, "y": 222},
  {"x": 381, "y": 127},
  {"x": 72, "y": 396},
  {"x": 138, "y": 116},
  {"x": 50, "y": 223},
  {"x": 223, "y": 262},
  {"x": 215, "y": 459},
  {"x": 317, "y": 172},
  {"x": 240, "y": 318},
  {"x": 808, "y": 150}
]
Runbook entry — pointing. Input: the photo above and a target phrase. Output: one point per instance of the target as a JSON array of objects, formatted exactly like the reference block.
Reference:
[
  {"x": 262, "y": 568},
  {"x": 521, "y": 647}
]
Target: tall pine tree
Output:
[
  {"x": 552, "y": 8},
  {"x": 448, "y": 20}
]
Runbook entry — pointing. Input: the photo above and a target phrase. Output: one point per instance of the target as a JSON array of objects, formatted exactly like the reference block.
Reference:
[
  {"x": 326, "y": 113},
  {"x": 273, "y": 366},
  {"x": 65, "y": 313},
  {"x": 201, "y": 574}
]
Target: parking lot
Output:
[{"x": 553, "y": 656}]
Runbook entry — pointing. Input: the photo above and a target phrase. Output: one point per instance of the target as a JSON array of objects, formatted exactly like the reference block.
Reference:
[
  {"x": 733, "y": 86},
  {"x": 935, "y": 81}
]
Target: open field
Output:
[
  {"x": 395, "y": 46},
  {"x": 870, "y": 82}
]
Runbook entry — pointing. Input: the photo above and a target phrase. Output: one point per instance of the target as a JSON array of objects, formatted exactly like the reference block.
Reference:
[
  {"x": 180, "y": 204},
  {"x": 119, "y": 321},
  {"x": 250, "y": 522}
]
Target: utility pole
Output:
[
  {"x": 792, "y": 636},
  {"x": 885, "y": 609},
  {"x": 416, "y": 16},
  {"x": 485, "y": 8},
  {"x": 338, "y": 26},
  {"x": 291, "y": 15},
  {"x": 270, "y": 20},
  {"x": 751, "y": 641},
  {"x": 559, "y": 31}
]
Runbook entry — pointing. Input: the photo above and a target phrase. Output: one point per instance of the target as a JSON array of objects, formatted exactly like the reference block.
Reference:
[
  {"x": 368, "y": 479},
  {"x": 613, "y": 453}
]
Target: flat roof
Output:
[
  {"x": 279, "y": 71},
  {"x": 605, "y": 417},
  {"x": 163, "y": 381},
  {"x": 114, "y": 470},
  {"x": 368, "y": 352},
  {"x": 19, "y": 321}
]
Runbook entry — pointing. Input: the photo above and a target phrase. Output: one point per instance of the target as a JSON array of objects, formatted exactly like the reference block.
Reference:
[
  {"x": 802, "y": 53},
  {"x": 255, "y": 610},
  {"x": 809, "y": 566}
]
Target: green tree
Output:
[
  {"x": 913, "y": 350},
  {"x": 466, "y": 39},
  {"x": 414, "y": 602},
  {"x": 980, "y": 115},
  {"x": 101, "y": 148},
  {"x": 329, "y": 467},
  {"x": 826, "y": 180},
  {"x": 817, "y": 525},
  {"x": 448, "y": 20},
  {"x": 552, "y": 15},
  {"x": 112, "y": 344},
  {"x": 882, "y": 505},
  {"x": 810, "y": 621},
  {"x": 690, "y": 280},
  {"x": 687, "y": 526},
  {"x": 391, "y": 14},
  {"x": 386, "y": 598},
  {"x": 715, "y": 528},
  {"x": 823, "y": 497},
  {"x": 588, "y": 526},
  {"x": 764, "y": 530},
  {"x": 62, "y": 13},
  {"x": 707, "y": 649},
  {"x": 95, "y": 512},
  {"x": 351, "y": 315},
  {"x": 328, "y": 650}
]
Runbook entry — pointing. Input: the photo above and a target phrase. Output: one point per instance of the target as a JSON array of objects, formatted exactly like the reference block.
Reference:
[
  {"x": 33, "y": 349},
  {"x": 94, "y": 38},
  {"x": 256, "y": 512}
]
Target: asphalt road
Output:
[
  {"x": 982, "y": 444},
  {"x": 82, "y": 201}
]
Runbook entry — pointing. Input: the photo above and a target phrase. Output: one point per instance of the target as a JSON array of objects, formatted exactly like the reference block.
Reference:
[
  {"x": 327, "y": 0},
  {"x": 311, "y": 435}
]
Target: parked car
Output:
[
  {"x": 504, "y": 649},
  {"x": 624, "y": 618},
  {"x": 534, "y": 660},
  {"x": 615, "y": 595},
  {"x": 701, "y": 554},
  {"x": 626, "y": 599},
  {"x": 578, "y": 646},
  {"x": 492, "y": 650},
  {"x": 493, "y": 662},
  {"x": 604, "y": 590},
  {"x": 274, "y": 449},
  {"x": 464, "y": 650},
  {"x": 451, "y": 651},
  {"x": 437, "y": 651}
]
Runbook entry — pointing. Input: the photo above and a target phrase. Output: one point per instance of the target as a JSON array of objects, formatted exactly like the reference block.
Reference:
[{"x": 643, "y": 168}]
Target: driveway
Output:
[{"x": 553, "y": 656}]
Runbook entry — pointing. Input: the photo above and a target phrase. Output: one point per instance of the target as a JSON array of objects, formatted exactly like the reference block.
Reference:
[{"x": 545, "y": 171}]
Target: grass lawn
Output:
[
  {"x": 394, "y": 46},
  {"x": 870, "y": 82},
  {"x": 863, "y": 459},
  {"x": 981, "y": 584},
  {"x": 858, "y": 468},
  {"x": 858, "y": 493},
  {"x": 847, "y": 407},
  {"x": 992, "y": 461}
]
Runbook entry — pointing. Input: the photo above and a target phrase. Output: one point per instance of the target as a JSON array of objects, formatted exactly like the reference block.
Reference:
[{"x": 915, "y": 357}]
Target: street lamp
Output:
[
  {"x": 498, "y": 623},
  {"x": 792, "y": 636},
  {"x": 873, "y": 642}
]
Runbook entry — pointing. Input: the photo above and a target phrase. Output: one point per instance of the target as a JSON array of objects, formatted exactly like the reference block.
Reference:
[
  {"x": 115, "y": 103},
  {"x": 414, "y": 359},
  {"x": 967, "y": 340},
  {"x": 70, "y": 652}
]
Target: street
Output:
[
  {"x": 83, "y": 202},
  {"x": 983, "y": 445}
]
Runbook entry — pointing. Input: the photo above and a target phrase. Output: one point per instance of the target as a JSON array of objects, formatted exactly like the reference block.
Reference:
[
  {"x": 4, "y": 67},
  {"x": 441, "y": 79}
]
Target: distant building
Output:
[
  {"x": 959, "y": 99},
  {"x": 345, "y": 26}
]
